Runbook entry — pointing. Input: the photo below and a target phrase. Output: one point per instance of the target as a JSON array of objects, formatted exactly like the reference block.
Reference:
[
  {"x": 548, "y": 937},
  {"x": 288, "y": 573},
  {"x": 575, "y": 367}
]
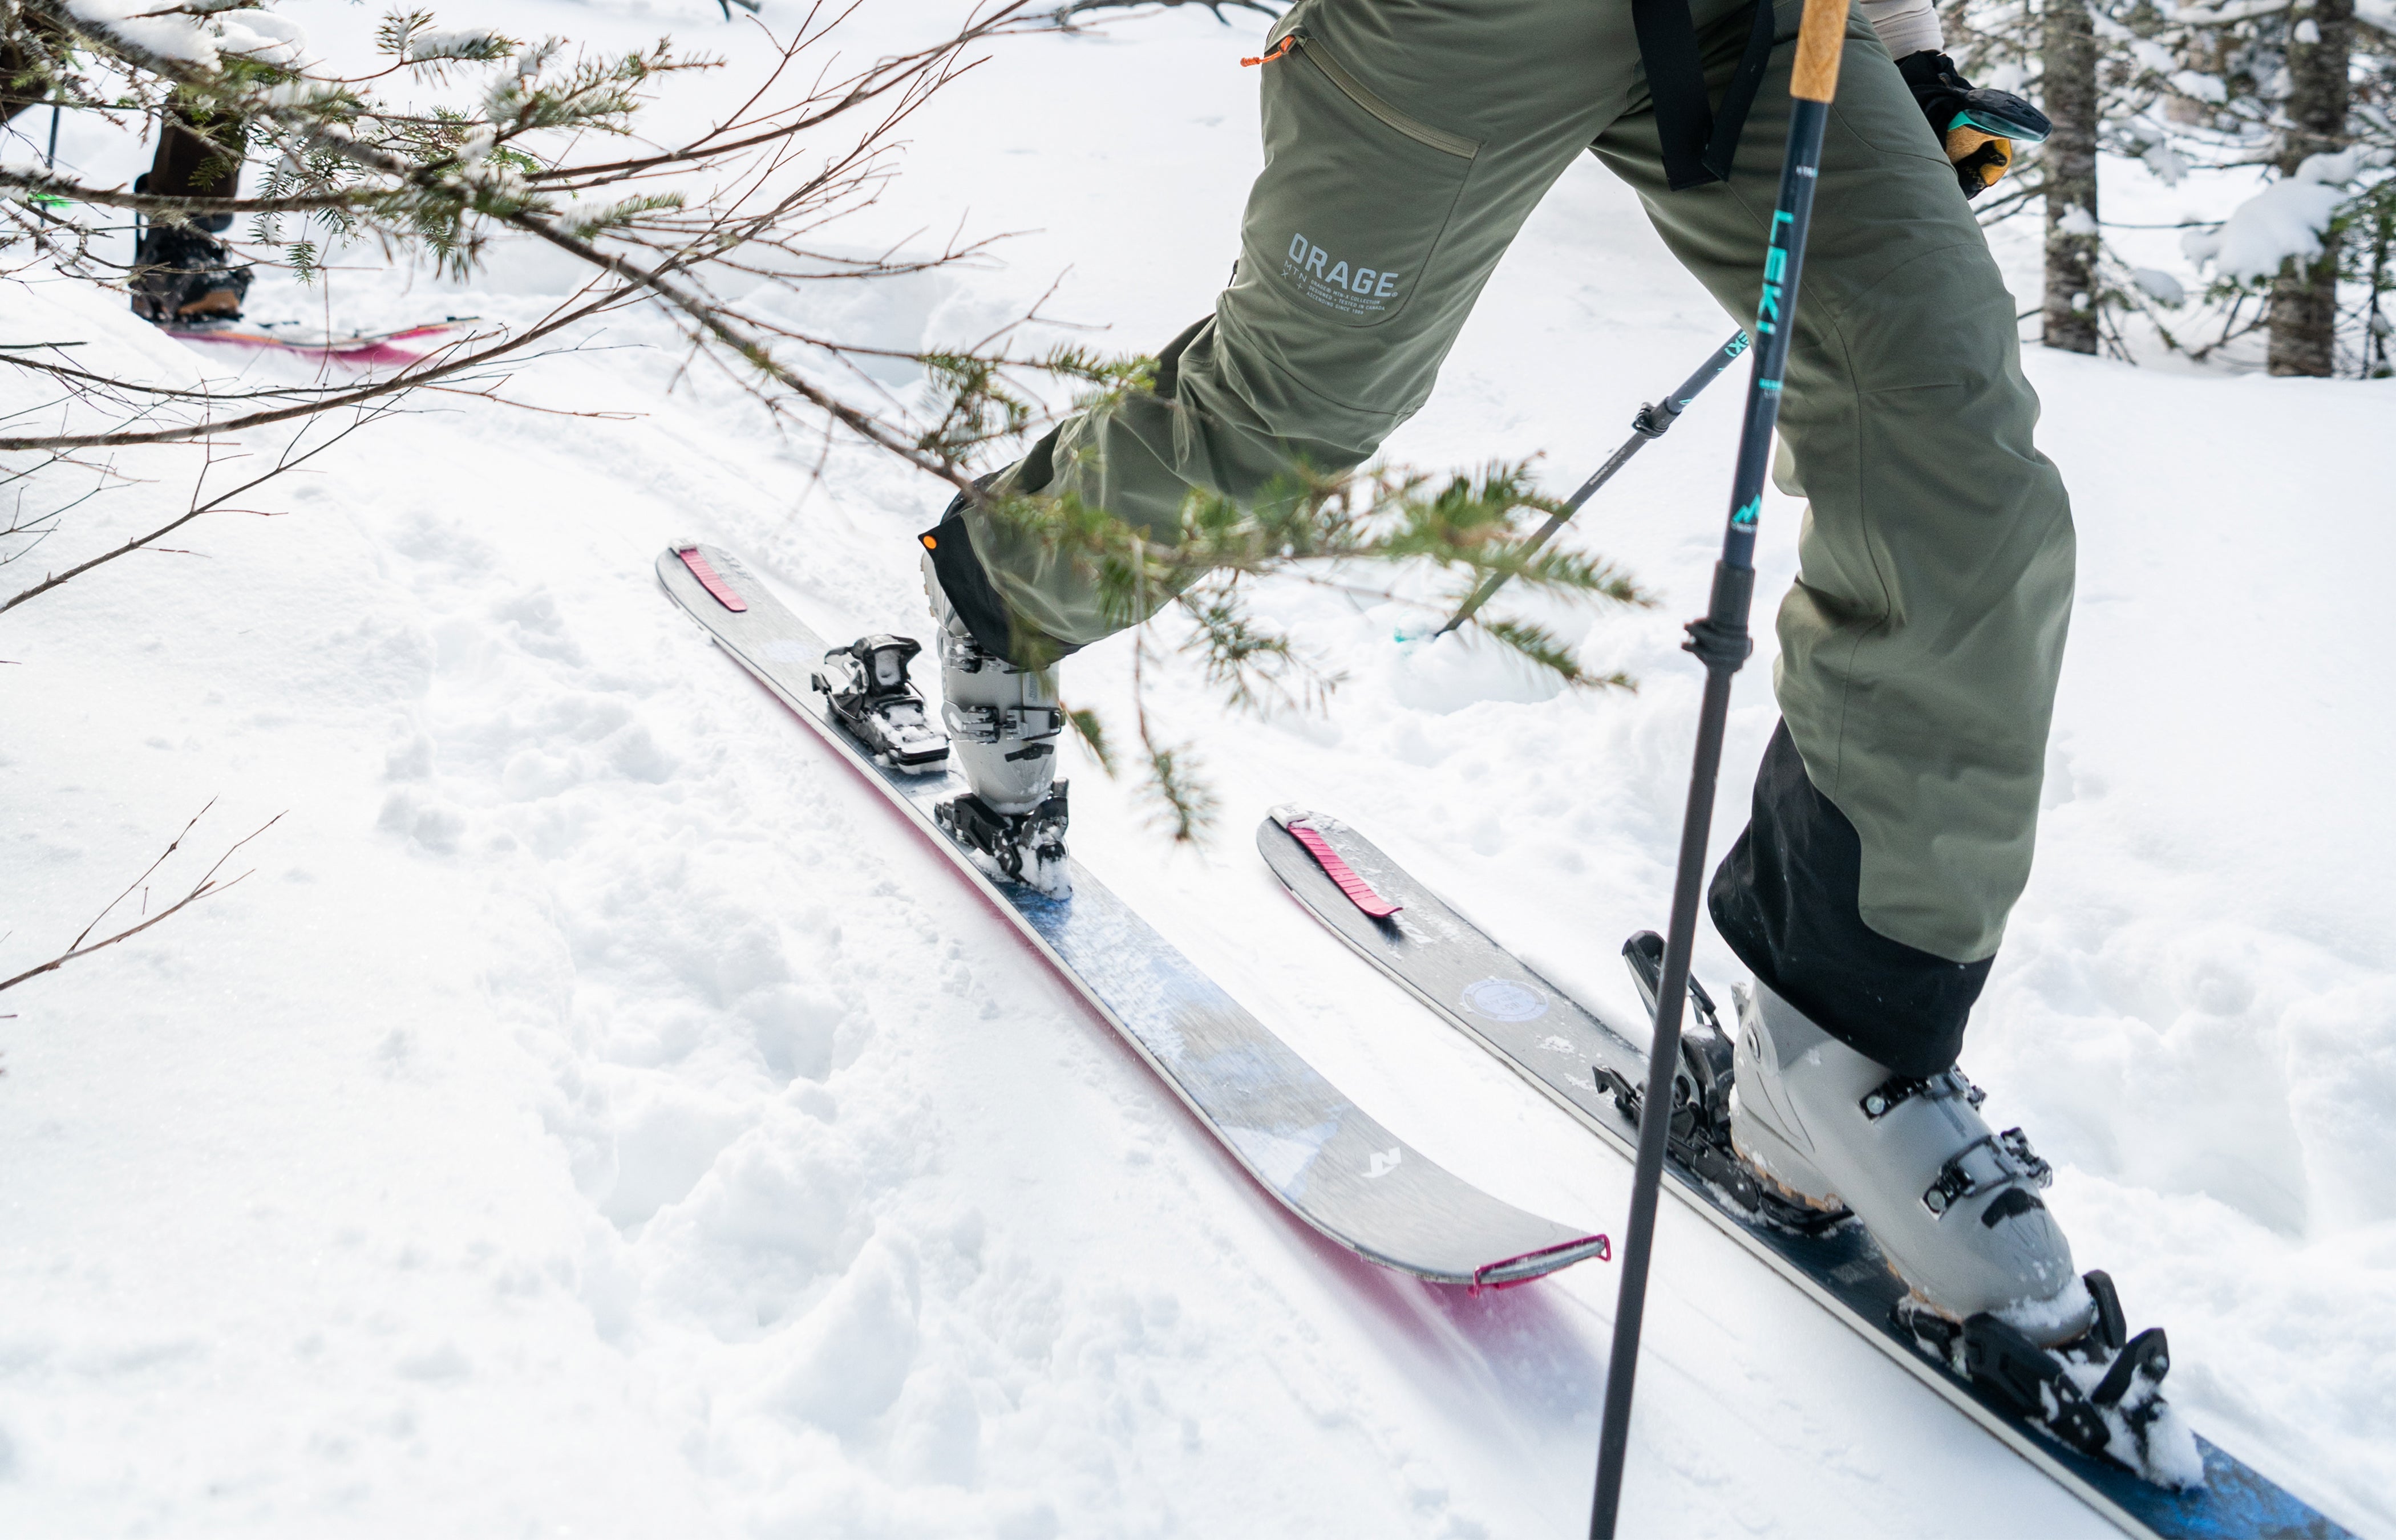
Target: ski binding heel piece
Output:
[
  {"x": 866, "y": 685},
  {"x": 1021, "y": 847},
  {"x": 1699, "y": 1138}
]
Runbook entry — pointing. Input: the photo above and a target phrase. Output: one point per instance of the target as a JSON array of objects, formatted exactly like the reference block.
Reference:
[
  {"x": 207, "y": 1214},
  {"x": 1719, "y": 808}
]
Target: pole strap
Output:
[{"x": 1698, "y": 140}]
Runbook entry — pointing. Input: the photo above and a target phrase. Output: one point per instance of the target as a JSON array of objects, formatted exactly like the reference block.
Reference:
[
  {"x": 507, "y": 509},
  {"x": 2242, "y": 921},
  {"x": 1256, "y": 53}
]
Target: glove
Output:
[{"x": 1977, "y": 127}]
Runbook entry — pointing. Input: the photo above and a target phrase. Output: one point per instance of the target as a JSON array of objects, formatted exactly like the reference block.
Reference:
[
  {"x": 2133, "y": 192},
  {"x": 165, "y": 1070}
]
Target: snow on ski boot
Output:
[
  {"x": 182, "y": 275},
  {"x": 1003, "y": 723},
  {"x": 867, "y": 688},
  {"x": 1953, "y": 1205}
]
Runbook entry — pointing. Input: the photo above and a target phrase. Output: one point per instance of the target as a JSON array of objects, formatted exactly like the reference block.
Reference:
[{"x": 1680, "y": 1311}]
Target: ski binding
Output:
[
  {"x": 1699, "y": 1138},
  {"x": 2091, "y": 1413},
  {"x": 866, "y": 685},
  {"x": 1021, "y": 847}
]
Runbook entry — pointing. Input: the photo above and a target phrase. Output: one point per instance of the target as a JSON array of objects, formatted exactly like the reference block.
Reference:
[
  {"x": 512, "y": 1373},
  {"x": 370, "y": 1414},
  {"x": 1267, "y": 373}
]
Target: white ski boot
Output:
[
  {"x": 1004, "y": 724},
  {"x": 1952, "y": 1204}
]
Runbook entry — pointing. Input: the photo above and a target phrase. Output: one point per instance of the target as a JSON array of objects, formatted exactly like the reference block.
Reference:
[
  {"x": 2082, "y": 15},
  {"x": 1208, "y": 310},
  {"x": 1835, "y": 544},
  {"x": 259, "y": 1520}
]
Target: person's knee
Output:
[
  {"x": 1942, "y": 319},
  {"x": 1264, "y": 416}
]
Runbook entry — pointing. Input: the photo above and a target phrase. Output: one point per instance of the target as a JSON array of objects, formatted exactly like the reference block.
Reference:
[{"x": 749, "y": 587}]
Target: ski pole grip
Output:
[{"x": 1822, "y": 36}]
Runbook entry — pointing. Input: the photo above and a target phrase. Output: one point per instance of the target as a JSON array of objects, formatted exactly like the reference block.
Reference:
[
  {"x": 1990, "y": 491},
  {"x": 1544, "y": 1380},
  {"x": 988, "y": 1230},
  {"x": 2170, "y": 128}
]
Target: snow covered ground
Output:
[{"x": 595, "y": 1118}]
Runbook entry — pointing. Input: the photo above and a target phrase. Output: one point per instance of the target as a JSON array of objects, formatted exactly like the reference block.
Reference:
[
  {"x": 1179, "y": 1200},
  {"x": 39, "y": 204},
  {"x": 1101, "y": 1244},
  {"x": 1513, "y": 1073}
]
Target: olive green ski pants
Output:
[{"x": 1406, "y": 142}]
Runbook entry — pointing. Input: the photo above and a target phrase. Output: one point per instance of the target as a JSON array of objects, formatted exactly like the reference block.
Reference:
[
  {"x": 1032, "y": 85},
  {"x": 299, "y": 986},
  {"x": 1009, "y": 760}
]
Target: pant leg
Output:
[
  {"x": 1406, "y": 140},
  {"x": 1920, "y": 647},
  {"x": 198, "y": 157},
  {"x": 21, "y": 82}
]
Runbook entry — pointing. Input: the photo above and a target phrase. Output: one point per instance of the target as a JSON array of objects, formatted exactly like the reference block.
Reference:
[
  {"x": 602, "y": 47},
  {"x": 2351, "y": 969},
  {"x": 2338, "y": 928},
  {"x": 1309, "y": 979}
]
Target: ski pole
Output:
[
  {"x": 1721, "y": 643},
  {"x": 1652, "y": 422}
]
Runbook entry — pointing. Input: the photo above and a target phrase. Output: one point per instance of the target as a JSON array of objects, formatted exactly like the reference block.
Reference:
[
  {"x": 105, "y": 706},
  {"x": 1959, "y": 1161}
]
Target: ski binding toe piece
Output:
[
  {"x": 1021, "y": 847},
  {"x": 2102, "y": 1394}
]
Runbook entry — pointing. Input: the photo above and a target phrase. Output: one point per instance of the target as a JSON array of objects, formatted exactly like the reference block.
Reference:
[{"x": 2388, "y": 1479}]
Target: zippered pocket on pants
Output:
[
  {"x": 1440, "y": 140},
  {"x": 1356, "y": 195}
]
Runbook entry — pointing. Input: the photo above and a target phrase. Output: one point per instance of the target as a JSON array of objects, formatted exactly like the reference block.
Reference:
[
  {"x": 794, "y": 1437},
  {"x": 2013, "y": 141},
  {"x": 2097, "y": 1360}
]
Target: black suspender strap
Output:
[{"x": 1699, "y": 143}]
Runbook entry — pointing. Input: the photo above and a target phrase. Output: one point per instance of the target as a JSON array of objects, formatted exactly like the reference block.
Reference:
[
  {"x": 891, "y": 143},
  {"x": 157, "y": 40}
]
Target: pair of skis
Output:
[{"x": 1339, "y": 1171}]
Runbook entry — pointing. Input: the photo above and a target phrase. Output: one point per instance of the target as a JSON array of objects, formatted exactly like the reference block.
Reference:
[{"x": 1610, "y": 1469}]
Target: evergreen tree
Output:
[{"x": 2303, "y": 89}]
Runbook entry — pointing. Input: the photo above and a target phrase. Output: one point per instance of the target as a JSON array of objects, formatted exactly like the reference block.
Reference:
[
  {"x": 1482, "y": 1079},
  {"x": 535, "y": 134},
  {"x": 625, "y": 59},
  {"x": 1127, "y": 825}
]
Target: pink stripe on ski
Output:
[
  {"x": 1360, "y": 892},
  {"x": 711, "y": 580}
]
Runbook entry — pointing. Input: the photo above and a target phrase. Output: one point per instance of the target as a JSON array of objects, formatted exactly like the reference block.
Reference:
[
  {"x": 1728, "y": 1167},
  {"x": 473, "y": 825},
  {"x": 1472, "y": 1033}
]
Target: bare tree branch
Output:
[
  {"x": 285, "y": 461},
  {"x": 207, "y": 885}
]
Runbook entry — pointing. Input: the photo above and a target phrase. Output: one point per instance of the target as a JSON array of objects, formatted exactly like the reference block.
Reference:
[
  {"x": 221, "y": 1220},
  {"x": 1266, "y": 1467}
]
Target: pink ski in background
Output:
[{"x": 368, "y": 348}]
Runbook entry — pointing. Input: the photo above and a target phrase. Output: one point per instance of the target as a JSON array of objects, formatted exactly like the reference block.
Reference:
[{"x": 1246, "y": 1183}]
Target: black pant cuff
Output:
[
  {"x": 1787, "y": 899},
  {"x": 977, "y": 601}
]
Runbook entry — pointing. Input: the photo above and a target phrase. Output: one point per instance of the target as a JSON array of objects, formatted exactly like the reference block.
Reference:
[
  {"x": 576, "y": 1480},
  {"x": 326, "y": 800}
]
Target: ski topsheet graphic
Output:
[
  {"x": 1324, "y": 1159},
  {"x": 1444, "y": 960}
]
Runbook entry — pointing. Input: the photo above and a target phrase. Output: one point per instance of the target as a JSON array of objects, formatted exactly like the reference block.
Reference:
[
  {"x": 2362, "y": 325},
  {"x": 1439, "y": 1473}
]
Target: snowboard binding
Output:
[
  {"x": 1699, "y": 1138},
  {"x": 865, "y": 684},
  {"x": 1021, "y": 847}
]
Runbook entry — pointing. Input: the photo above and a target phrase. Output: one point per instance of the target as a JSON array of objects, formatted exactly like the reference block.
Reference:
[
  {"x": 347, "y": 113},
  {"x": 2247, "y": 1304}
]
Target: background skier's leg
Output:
[
  {"x": 181, "y": 272},
  {"x": 1404, "y": 144},
  {"x": 1919, "y": 648},
  {"x": 197, "y": 159}
]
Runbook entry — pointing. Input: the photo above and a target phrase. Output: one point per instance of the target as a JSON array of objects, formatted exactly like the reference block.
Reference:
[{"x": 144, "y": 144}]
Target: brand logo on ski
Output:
[{"x": 1503, "y": 1000}]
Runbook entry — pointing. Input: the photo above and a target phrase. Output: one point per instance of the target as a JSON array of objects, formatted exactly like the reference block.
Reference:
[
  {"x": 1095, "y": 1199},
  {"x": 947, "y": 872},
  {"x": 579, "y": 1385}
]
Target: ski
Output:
[
  {"x": 404, "y": 346},
  {"x": 1319, "y": 1155},
  {"x": 2056, "y": 1418}
]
